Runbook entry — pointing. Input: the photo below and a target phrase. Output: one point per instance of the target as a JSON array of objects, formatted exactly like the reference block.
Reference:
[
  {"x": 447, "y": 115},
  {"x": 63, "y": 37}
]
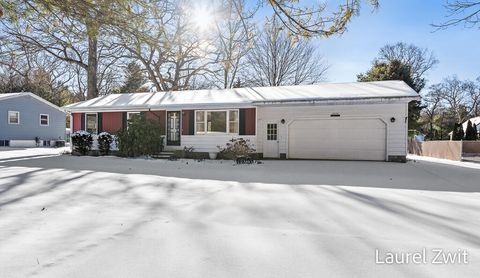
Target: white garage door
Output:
[{"x": 347, "y": 139}]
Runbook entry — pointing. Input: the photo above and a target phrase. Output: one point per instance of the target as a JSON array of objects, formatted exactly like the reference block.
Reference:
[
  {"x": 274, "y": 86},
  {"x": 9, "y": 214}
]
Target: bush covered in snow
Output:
[
  {"x": 105, "y": 140},
  {"x": 142, "y": 137},
  {"x": 82, "y": 142},
  {"x": 237, "y": 147}
]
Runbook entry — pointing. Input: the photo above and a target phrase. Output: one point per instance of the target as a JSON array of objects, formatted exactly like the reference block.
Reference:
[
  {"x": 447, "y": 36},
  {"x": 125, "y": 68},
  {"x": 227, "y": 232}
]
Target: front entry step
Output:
[{"x": 163, "y": 155}]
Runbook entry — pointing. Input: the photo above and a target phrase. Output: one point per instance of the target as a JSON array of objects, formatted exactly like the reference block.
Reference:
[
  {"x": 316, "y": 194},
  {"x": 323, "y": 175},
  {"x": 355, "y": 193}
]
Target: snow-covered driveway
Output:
[{"x": 64, "y": 216}]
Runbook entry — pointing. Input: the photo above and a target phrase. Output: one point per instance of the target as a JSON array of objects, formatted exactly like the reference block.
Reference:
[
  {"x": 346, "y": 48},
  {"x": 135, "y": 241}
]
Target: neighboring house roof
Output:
[
  {"x": 14, "y": 95},
  {"x": 250, "y": 96},
  {"x": 475, "y": 120}
]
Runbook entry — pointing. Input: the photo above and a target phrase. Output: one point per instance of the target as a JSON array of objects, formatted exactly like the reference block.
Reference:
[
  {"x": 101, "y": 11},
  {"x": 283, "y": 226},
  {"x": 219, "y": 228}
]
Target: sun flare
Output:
[{"x": 203, "y": 17}]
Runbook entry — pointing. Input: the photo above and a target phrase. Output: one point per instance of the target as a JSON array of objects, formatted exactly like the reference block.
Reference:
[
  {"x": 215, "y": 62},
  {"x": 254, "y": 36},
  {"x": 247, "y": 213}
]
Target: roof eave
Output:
[{"x": 338, "y": 100}]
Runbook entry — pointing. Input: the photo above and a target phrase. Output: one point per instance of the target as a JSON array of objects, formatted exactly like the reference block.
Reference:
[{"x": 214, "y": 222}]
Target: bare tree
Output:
[
  {"x": 420, "y": 60},
  {"x": 73, "y": 31},
  {"x": 466, "y": 12},
  {"x": 23, "y": 69},
  {"x": 278, "y": 59},
  {"x": 313, "y": 19},
  {"x": 462, "y": 97},
  {"x": 235, "y": 39},
  {"x": 433, "y": 101},
  {"x": 173, "y": 54},
  {"x": 472, "y": 91}
]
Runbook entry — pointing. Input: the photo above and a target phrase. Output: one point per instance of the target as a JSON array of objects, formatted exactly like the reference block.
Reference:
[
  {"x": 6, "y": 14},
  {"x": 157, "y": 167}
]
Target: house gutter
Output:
[{"x": 331, "y": 101}]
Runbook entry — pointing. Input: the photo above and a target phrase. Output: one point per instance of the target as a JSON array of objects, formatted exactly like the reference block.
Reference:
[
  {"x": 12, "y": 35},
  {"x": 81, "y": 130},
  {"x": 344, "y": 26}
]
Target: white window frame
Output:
[
  {"x": 48, "y": 119},
  {"x": 205, "y": 117},
  {"x": 237, "y": 121},
  {"x": 18, "y": 117},
  {"x": 132, "y": 113},
  {"x": 96, "y": 122}
]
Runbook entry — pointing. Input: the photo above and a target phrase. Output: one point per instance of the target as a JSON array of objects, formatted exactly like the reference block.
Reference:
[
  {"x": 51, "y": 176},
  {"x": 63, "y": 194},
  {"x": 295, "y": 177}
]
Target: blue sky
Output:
[{"x": 456, "y": 48}]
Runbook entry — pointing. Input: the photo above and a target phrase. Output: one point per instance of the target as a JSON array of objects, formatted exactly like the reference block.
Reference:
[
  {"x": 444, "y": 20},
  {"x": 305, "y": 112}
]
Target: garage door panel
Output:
[{"x": 349, "y": 139}]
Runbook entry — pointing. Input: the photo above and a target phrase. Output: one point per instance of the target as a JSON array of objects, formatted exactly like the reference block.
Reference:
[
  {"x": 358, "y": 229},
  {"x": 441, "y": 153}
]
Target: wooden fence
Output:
[{"x": 453, "y": 150}]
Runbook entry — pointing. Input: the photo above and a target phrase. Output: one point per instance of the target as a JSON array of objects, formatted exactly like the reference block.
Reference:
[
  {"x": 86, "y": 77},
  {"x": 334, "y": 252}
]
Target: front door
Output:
[
  {"x": 270, "y": 141},
  {"x": 173, "y": 128}
]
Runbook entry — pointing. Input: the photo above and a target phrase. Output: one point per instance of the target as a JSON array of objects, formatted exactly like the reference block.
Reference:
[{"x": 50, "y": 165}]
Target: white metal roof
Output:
[
  {"x": 249, "y": 96},
  {"x": 475, "y": 120},
  {"x": 14, "y": 95}
]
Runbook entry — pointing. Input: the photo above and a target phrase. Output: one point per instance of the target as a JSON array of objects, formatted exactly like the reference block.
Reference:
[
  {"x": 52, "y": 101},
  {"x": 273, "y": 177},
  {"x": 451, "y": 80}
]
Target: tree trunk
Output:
[{"x": 92, "y": 90}]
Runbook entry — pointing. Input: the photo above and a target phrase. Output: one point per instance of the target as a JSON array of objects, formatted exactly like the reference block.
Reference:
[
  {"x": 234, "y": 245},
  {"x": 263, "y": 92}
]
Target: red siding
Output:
[
  {"x": 158, "y": 116},
  {"x": 186, "y": 122},
  {"x": 112, "y": 122},
  {"x": 77, "y": 121},
  {"x": 250, "y": 121}
]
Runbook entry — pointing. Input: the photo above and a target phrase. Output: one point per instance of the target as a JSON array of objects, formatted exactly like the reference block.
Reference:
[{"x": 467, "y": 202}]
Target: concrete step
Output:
[{"x": 163, "y": 155}]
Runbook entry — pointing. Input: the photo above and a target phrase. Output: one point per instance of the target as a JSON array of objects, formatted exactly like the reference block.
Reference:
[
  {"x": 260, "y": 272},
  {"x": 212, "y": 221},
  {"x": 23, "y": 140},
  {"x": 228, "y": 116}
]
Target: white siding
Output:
[
  {"x": 396, "y": 132},
  {"x": 208, "y": 143}
]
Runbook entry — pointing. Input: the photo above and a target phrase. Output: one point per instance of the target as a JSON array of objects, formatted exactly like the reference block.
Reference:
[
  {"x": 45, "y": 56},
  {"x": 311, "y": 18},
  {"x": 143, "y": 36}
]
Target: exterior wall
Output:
[
  {"x": 188, "y": 122},
  {"x": 77, "y": 121},
  {"x": 248, "y": 121},
  {"x": 112, "y": 122},
  {"x": 396, "y": 131},
  {"x": 209, "y": 143},
  {"x": 158, "y": 116},
  {"x": 29, "y": 127}
]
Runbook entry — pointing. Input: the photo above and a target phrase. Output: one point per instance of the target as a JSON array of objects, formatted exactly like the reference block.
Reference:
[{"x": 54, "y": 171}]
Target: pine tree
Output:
[
  {"x": 134, "y": 79},
  {"x": 475, "y": 128},
  {"x": 396, "y": 70},
  {"x": 470, "y": 133},
  {"x": 458, "y": 133}
]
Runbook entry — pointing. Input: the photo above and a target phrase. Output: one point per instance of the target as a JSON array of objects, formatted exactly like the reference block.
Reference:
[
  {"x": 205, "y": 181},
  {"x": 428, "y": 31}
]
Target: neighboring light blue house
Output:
[{"x": 25, "y": 117}]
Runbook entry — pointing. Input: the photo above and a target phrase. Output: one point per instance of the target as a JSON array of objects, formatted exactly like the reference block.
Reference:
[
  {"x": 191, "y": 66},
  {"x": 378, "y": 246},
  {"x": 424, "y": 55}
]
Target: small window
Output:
[
  {"x": 233, "y": 121},
  {"x": 44, "y": 120},
  {"x": 130, "y": 115},
  {"x": 91, "y": 123},
  {"x": 200, "y": 121},
  {"x": 271, "y": 132},
  {"x": 13, "y": 117}
]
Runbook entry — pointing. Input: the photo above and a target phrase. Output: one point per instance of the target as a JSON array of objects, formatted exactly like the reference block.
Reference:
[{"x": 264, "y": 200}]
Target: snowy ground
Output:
[{"x": 64, "y": 216}]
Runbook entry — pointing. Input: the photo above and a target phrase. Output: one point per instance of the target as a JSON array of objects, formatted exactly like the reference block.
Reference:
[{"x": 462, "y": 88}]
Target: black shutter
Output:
[
  {"x": 124, "y": 120},
  {"x": 82, "y": 121},
  {"x": 241, "y": 122},
  {"x": 100, "y": 122},
  {"x": 191, "y": 127},
  {"x": 142, "y": 114}
]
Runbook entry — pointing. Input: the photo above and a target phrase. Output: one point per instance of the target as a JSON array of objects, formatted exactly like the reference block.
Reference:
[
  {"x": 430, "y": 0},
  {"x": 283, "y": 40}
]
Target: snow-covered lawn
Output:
[{"x": 64, "y": 216}]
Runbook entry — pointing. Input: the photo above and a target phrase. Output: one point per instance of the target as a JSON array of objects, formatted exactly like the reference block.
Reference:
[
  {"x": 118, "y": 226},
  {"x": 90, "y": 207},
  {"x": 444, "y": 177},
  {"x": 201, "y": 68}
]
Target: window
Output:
[
  {"x": 44, "y": 120},
  {"x": 200, "y": 121},
  {"x": 271, "y": 132},
  {"x": 91, "y": 123},
  {"x": 224, "y": 121},
  {"x": 130, "y": 115},
  {"x": 217, "y": 121},
  {"x": 233, "y": 121},
  {"x": 13, "y": 117}
]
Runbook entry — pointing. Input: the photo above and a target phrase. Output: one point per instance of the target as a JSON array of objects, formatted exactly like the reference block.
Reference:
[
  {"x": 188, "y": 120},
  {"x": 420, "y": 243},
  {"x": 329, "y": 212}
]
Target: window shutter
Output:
[
  {"x": 191, "y": 127},
  {"x": 124, "y": 120},
  {"x": 241, "y": 122},
  {"x": 82, "y": 121},
  {"x": 142, "y": 113},
  {"x": 99, "y": 122}
]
